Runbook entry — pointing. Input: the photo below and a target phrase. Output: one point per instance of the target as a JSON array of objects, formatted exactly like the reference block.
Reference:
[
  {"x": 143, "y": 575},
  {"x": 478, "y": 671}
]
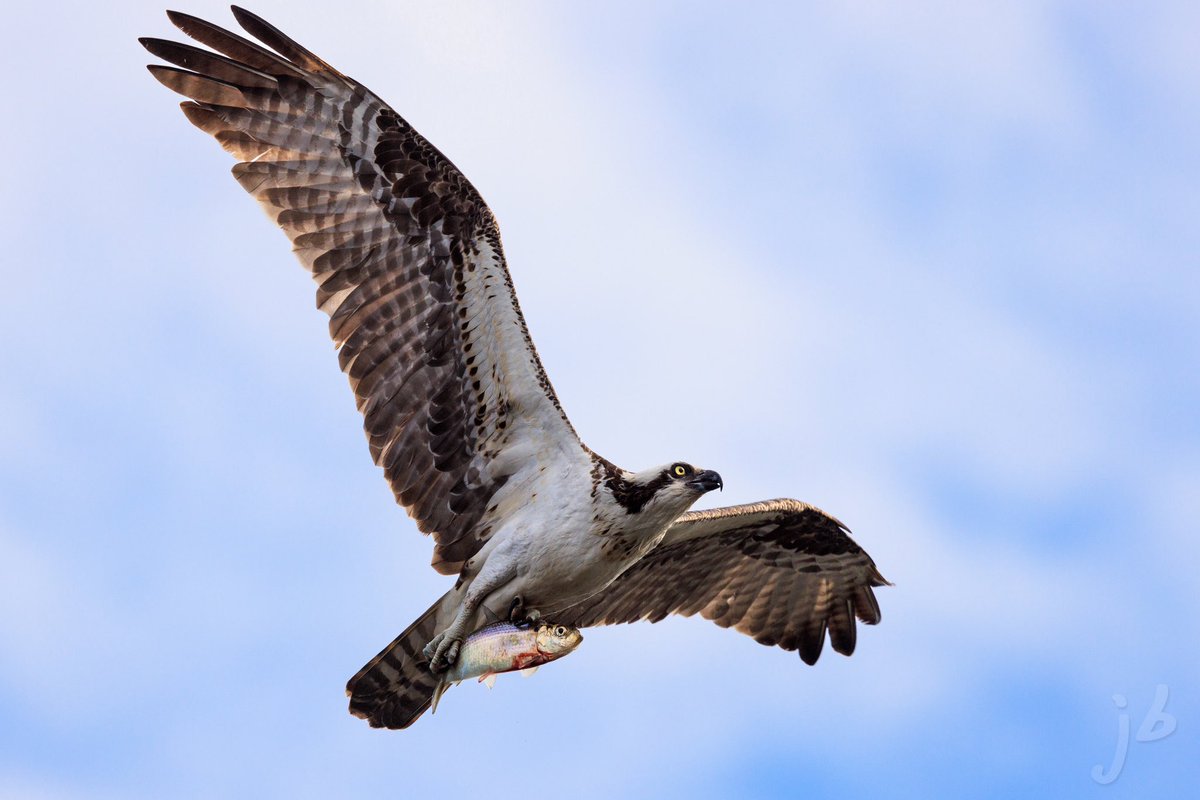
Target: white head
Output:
[{"x": 663, "y": 492}]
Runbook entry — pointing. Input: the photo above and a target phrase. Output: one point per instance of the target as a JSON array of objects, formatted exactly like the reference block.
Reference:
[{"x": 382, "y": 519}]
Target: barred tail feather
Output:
[{"x": 396, "y": 686}]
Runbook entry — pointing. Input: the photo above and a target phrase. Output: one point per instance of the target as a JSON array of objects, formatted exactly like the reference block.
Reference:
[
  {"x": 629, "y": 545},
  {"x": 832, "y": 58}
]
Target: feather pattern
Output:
[
  {"x": 408, "y": 264},
  {"x": 780, "y": 571},
  {"x": 395, "y": 687}
]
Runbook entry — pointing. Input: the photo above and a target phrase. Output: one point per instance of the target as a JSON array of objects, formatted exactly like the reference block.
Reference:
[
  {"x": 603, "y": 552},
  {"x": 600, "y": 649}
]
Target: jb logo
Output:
[{"x": 1157, "y": 724}]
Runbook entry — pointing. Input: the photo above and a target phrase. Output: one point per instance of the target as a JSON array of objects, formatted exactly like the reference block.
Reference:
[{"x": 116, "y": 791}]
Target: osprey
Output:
[{"x": 458, "y": 410}]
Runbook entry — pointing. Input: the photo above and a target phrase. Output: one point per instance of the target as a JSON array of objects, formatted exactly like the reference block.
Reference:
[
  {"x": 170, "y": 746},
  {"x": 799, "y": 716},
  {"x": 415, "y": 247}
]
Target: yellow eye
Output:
[{"x": 680, "y": 470}]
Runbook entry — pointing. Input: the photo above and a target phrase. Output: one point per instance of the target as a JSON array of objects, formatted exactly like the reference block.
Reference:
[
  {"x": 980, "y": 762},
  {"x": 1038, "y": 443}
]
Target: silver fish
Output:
[{"x": 505, "y": 647}]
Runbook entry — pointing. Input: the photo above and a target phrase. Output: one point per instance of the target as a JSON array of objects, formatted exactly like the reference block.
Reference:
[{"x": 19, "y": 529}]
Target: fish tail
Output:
[{"x": 395, "y": 687}]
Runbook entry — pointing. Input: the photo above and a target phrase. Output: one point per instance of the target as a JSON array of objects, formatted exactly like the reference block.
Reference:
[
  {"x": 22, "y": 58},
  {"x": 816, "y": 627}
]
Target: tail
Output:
[{"x": 396, "y": 686}]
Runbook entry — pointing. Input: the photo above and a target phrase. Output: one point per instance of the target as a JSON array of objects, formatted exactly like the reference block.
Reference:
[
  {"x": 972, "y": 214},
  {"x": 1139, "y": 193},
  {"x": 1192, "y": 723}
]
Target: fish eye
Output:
[
  {"x": 561, "y": 630},
  {"x": 680, "y": 470}
]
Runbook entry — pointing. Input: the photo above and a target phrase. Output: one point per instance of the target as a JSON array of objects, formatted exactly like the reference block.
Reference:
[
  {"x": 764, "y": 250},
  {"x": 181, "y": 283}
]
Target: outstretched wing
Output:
[
  {"x": 409, "y": 268},
  {"x": 781, "y": 571}
]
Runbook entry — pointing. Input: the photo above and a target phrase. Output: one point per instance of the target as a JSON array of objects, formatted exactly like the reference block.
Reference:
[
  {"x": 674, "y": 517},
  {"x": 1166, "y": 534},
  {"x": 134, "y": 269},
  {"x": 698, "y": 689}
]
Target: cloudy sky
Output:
[{"x": 947, "y": 264}]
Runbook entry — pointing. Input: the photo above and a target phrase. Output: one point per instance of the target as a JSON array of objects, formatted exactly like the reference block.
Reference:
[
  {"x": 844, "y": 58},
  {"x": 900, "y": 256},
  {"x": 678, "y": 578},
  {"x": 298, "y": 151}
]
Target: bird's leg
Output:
[{"x": 442, "y": 651}]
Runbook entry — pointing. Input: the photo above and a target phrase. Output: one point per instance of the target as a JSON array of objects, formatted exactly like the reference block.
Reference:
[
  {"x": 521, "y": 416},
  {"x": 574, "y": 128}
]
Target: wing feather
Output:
[
  {"x": 782, "y": 572},
  {"x": 409, "y": 268}
]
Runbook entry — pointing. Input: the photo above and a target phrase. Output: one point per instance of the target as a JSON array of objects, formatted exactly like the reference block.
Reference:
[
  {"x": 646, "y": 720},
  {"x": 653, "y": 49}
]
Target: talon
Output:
[
  {"x": 444, "y": 654},
  {"x": 516, "y": 611},
  {"x": 430, "y": 650}
]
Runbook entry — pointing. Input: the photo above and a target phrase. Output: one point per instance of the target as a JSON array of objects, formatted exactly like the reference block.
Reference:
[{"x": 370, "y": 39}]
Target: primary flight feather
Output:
[{"x": 457, "y": 408}]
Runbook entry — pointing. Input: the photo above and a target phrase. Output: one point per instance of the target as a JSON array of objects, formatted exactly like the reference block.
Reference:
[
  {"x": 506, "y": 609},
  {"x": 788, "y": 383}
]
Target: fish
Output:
[{"x": 506, "y": 647}]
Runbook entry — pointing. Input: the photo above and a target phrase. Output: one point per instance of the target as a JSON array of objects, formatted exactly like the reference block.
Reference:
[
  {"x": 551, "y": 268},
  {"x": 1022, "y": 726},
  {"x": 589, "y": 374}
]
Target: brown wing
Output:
[
  {"x": 781, "y": 571},
  {"x": 409, "y": 267}
]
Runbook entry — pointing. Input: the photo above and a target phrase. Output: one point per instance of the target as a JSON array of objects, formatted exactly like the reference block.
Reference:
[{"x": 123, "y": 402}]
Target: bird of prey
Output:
[{"x": 458, "y": 411}]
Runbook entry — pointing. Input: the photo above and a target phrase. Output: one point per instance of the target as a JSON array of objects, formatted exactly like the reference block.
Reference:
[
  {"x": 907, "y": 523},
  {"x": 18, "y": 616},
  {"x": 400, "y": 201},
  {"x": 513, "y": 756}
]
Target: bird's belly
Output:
[
  {"x": 568, "y": 568},
  {"x": 559, "y": 551}
]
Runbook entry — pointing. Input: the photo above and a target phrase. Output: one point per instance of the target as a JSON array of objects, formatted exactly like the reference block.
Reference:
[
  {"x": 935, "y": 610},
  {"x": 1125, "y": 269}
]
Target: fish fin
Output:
[
  {"x": 528, "y": 671},
  {"x": 488, "y": 679},
  {"x": 438, "y": 691}
]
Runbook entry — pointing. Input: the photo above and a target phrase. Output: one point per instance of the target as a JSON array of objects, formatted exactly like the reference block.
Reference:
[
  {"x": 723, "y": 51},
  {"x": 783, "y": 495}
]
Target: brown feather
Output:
[
  {"x": 782, "y": 572},
  {"x": 406, "y": 256},
  {"x": 396, "y": 687}
]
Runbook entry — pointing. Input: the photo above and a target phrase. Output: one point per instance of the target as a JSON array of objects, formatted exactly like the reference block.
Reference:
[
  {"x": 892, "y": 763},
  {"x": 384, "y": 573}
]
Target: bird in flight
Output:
[{"x": 458, "y": 411}]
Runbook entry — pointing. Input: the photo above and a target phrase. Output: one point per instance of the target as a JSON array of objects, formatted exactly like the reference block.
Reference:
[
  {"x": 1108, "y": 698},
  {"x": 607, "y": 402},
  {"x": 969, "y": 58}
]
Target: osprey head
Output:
[
  {"x": 694, "y": 480},
  {"x": 670, "y": 489}
]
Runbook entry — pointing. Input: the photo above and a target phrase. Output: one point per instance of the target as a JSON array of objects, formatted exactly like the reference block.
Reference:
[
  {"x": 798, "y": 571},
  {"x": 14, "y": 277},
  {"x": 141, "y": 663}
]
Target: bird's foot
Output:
[
  {"x": 518, "y": 615},
  {"x": 516, "y": 612},
  {"x": 442, "y": 651},
  {"x": 432, "y": 647}
]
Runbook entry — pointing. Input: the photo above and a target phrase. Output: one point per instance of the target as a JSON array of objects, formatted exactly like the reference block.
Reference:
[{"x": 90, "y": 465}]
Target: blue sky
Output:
[{"x": 946, "y": 255}]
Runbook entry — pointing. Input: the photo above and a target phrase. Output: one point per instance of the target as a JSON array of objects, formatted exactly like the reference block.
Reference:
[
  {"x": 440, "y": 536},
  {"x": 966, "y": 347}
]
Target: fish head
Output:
[{"x": 556, "y": 641}]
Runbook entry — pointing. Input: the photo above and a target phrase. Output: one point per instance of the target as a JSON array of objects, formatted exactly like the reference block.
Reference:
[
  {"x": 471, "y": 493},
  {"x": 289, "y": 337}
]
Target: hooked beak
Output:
[{"x": 706, "y": 481}]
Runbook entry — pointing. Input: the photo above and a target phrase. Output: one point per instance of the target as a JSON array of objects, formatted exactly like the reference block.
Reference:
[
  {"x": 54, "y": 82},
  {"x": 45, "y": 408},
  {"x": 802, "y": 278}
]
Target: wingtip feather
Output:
[
  {"x": 843, "y": 633},
  {"x": 200, "y": 88},
  {"x": 812, "y": 641},
  {"x": 279, "y": 41}
]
